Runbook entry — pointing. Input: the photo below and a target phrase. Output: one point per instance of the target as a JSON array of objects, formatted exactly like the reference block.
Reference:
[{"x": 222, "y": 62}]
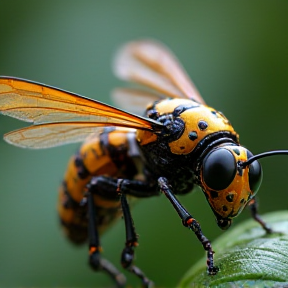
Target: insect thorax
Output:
[{"x": 189, "y": 129}]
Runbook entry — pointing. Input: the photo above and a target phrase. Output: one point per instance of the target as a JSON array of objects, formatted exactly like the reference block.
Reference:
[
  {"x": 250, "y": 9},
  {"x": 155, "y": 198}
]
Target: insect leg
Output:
[
  {"x": 96, "y": 262},
  {"x": 127, "y": 256},
  {"x": 253, "y": 205},
  {"x": 110, "y": 187},
  {"x": 190, "y": 222}
]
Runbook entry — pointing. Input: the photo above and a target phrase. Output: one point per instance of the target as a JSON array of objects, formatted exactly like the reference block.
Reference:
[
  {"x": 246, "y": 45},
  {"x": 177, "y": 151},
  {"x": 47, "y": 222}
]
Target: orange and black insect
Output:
[{"x": 179, "y": 143}]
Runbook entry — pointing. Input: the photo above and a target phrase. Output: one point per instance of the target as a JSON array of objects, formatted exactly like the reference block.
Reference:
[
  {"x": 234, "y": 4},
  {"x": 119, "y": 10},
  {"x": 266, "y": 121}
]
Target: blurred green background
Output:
[{"x": 236, "y": 53}]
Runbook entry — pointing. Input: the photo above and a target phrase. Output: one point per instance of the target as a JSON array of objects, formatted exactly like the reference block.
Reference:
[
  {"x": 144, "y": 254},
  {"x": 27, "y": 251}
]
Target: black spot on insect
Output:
[
  {"x": 193, "y": 135},
  {"x": 214, "y": 113},
  {"x": 81, "y": 168},
  {"x": 242, "y": 200},
  {"x": 230, "y": 197},
  {"x": 214, "y": 194},
  {"x": 236, "y": 151},
  {"x": 202, "y": 125},
  {"x": 182, "y": 108},
  {"x": 182, "y": 147},
  {"x": 224, "y": 208}
]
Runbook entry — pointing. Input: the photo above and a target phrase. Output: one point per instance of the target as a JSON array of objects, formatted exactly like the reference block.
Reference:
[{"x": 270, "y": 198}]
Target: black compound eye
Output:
[
  {"x": 255, "y": 174},
  {"x": 219, "y": 169}
]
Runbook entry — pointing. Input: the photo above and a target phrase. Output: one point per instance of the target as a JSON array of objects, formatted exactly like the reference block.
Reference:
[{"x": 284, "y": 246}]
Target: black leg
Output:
[
  {"x": 127, "y": 256},
  {"x": 116, "y": 189},
  {"x": 190, "y": 222},
  {"x": 110, "y": 187},
  {"x": 254, "y": 212},
  {"x": 96, "y": 262}
]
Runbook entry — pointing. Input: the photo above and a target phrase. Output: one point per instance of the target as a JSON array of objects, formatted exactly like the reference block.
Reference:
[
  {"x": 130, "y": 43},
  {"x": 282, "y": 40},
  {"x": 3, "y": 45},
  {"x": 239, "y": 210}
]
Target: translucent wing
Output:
[
  {"x": 70, "y": 116},
  {"x": 53, "y": 134},
  {"x": 151, "y": 64},
  {"x": 133, "y": 100}
]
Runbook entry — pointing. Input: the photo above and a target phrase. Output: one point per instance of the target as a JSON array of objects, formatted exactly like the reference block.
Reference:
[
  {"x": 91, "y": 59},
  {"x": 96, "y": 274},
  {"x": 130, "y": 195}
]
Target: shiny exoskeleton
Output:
[
  {"x": 179, "y": 143},
  {"x": 178, "y": 153}
]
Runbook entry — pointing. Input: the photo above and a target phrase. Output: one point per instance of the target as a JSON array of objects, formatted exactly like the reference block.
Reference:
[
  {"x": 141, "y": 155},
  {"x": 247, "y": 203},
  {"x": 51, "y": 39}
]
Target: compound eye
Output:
[
  {"x": 255, "y": 174},
  {"x": 219, "y": 169}
]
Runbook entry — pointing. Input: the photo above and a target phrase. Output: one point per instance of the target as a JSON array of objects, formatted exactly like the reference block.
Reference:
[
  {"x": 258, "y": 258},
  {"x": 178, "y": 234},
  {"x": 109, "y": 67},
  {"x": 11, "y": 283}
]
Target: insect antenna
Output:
[{"x": 261, "y": 155}]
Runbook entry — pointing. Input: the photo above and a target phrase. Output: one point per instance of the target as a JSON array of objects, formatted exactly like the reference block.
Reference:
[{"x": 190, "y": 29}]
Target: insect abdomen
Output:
[{"x": 102, "y": 155}]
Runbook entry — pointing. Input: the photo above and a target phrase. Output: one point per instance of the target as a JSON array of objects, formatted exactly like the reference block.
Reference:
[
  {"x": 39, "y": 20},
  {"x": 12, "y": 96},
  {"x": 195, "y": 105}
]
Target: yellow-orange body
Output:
[{"x": 95, "y": 158}]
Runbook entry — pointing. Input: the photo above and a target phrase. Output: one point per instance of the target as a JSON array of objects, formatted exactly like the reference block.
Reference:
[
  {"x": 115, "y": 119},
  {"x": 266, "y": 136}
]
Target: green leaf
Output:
[{"x": 247, "y": 257}]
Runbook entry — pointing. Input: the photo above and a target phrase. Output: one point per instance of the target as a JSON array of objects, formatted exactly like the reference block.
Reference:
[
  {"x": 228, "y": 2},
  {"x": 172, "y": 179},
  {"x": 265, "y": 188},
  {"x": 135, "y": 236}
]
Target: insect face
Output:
[{"x": 228, "y": 185}]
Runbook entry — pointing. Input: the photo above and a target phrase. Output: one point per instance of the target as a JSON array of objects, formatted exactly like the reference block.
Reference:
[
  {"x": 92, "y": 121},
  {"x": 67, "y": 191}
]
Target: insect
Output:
[{"x": 179, "y": 143}]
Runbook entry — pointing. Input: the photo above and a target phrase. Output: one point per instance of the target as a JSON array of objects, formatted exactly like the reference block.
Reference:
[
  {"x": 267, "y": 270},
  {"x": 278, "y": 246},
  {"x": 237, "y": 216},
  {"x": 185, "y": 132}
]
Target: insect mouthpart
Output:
[{"x": 224, "y": 224}]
